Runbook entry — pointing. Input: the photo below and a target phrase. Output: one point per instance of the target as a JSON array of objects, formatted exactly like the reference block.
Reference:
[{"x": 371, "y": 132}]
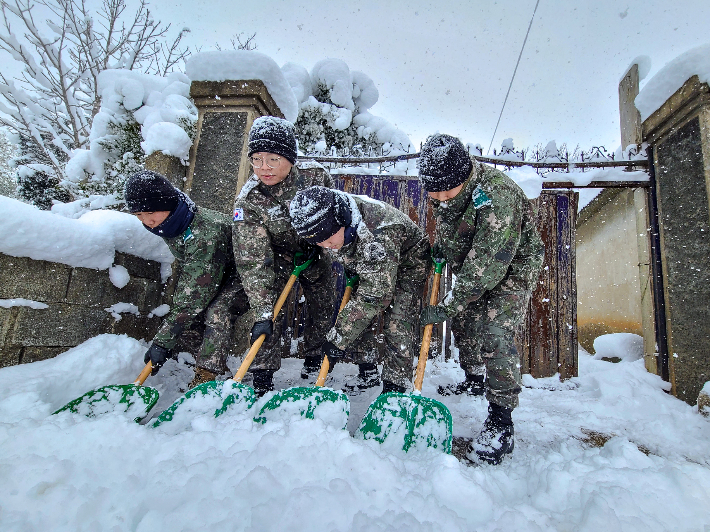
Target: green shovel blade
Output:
[
  {"x": 117, "y": 398},
  {"x": 409, "y": 421},
  {"x": 213, "y": 396},
  {"x": 333, "y": 407}
]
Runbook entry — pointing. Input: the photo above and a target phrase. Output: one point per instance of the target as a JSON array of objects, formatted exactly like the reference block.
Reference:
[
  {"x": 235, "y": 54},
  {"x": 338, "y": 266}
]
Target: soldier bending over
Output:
[
  {"x": 390, "y": 255},
  {"x": 201, "y": 241}
]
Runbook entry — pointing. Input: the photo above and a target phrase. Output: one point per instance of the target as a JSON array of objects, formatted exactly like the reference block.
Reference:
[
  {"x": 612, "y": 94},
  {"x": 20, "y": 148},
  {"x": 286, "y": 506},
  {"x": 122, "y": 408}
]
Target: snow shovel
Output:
[
  {"x": 135, "y": 399},
  {"x": 230, "y": 392},
  {"x": 411, "y": 420},
  {"x": 309, "y": 400}
]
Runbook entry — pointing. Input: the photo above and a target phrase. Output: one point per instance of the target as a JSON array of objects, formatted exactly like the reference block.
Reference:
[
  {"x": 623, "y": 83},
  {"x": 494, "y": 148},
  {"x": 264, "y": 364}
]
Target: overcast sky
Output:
[{"x": 446, "y": 66}]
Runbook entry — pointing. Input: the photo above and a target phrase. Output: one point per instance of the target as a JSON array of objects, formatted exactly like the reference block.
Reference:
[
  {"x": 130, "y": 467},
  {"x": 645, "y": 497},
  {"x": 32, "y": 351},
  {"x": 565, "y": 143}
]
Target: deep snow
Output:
[{"x": 608, "y": 450}]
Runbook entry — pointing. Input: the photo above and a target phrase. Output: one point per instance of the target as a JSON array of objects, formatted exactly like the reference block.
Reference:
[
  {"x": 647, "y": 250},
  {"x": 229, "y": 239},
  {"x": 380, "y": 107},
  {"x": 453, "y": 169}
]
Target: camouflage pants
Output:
[
  {"x": 484, "y": 333},
  {"x": 318, "y": 283},
  {"x": 230, "y": 303},
  {"x": 398, "y": 335}
]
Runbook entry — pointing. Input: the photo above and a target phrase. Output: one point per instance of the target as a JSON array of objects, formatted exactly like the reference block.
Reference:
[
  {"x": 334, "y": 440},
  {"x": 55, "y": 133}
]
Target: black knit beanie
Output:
[
  {"x": 317, "y": 213},
  {"x": 148, "y": 191},
  {"x": 273, "y": 135},
  {"x": 444, "y": 163}
]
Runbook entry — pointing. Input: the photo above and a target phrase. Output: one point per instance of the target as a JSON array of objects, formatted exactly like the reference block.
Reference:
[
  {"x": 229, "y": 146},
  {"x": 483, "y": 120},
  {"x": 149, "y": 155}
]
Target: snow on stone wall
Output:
[
  {"x": 671, "y": 77},
  {"x": 244, "y": 65},
  {"x": 90, "y": 241}
]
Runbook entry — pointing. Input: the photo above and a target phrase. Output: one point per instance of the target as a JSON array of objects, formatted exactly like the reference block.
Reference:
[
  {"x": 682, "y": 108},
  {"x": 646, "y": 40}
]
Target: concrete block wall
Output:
[{"x": 76, "y": 299}]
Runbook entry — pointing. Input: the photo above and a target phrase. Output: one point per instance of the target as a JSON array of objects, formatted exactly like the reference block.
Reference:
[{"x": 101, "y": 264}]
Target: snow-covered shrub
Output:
[
  {"x": 139, "y": 114},
  {"x": 333, "y": 104}
]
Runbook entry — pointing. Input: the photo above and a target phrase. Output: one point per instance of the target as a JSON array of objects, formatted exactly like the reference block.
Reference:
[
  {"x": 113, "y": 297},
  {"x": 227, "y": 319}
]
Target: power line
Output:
[{"x": 511, "y": 79}]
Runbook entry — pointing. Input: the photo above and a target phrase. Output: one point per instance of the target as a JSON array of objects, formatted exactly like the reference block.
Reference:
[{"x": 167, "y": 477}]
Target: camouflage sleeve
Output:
[
  {"x": 198, "y": 283},
  {"x": 378, "y": 274},
  {"x": 492, "y": 250},
  {"x": 254, "y": 258}
]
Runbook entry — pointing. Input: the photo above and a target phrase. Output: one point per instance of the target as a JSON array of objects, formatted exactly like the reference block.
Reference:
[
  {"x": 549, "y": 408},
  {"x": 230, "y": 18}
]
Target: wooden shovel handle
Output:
[
  {"x": 259, "y": 341},
  {"x": 144, "y": 374},
  {"x": 426, "y": 340},
  {"x": 325, "y": 365}
]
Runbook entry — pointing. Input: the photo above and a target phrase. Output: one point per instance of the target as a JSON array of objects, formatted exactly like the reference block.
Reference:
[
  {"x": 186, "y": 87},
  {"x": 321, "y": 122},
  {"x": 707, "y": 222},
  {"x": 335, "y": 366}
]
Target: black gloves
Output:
[
  {"x": 262, "y": 327},
  {"x": 333, "y": 353},
  {"x": 310, "y": 251},
  {"x": 432, "y": 314},
  {"x": 436, "y": 252},
  {"x": 157, "y": 355}
]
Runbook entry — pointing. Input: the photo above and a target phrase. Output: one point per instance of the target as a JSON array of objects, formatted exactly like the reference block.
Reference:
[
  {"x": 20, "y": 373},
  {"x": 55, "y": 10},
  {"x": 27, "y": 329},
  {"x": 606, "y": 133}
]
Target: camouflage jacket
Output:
[
  {"x": 487, "y": 235},
  {"x": 262, "y": 228},
  {"x": 204, "y": 260},
  {"x": 389, "y": 247}
]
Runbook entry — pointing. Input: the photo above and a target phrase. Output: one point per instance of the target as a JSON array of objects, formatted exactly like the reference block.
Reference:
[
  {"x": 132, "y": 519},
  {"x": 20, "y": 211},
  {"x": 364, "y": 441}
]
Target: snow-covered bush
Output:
[
  {"x": 140, "y": 114},
  {"x": 333, "y": 104}
]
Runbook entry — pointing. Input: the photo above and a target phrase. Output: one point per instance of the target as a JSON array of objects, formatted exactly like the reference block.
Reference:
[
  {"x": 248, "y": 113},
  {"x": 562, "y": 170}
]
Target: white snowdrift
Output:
[{"x": 67, "y": 472}]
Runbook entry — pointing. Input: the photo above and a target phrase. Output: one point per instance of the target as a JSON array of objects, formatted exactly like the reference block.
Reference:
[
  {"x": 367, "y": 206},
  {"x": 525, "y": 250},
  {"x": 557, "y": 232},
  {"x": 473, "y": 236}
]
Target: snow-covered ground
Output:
[{"x": 609, "y": 450}]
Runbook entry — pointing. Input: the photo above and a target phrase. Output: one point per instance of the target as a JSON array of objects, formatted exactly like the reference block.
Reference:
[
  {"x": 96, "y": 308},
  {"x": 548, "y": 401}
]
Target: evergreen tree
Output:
[{"x": 37, "y": 182}]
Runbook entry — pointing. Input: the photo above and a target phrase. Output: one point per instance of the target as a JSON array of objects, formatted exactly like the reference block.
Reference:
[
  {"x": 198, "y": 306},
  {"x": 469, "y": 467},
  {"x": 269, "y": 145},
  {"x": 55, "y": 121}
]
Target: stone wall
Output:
[
  {"x": 678, "y": 135},
  {"x": 76, "y": 299}
]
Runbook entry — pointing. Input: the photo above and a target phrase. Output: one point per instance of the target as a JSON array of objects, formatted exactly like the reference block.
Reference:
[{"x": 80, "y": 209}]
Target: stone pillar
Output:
[
  {"x": 678, "y": 133},
  {"x": 169, "y": 166},
  {"x": 218, "y": 160},
  {"x": 629, "y": 117},
  {"x": 630, "y": 123}
]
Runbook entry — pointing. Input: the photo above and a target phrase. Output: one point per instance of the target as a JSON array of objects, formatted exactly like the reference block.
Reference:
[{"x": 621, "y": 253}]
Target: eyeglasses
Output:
[{"x": 271, "y": 162}]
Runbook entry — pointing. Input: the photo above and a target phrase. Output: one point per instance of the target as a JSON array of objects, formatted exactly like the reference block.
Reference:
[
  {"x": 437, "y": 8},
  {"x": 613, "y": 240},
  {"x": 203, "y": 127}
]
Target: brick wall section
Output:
[{"x": 77, "y": 298}]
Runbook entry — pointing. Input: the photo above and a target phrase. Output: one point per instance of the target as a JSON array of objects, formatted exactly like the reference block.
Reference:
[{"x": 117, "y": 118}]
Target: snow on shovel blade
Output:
[
  {"x": 408, "y": 422},
  {"x": 216, "y": 397},
  {"x": 330, "y": 406},
  {"x": 115, "y": 398}
]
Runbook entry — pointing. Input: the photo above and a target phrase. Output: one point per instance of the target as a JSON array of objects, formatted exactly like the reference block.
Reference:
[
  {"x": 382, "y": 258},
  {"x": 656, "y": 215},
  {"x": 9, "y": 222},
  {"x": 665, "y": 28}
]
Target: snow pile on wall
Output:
[
  {"x": 90, "y": 241},
  {"x": 245, "y": 65},
  {"x": 160, "y": 105},
  {"x": 671, "y": 78}
]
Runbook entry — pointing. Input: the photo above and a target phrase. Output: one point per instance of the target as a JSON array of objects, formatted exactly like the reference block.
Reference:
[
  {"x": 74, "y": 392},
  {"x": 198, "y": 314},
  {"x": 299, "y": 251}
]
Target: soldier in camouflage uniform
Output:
[
  {"x": 390, "y": 255},
  {"x": 201, "y": 241},
  {"x": 265, "y": 246},
  {"x": 485, "y": 229}
]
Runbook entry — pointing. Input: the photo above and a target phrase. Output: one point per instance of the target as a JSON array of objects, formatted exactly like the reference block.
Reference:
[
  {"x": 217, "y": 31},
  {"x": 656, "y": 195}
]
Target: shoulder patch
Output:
[
  {"x": 187, "y": 235},
  {"x": 238, "y": 215},
  {"x": 374, "y": 251},
  {"x": 480, "y": 199}
]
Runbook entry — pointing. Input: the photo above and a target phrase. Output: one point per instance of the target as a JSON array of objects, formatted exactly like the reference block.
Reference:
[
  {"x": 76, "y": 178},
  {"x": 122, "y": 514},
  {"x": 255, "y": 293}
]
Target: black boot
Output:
[
  {"x": 389, "y": 387},
  {"x": 263, "y": 381},
  {"x": 496, "y": 437},
  {"x": 368, "y": 377},
  {"x": 473, "y": 385},
  {"x": 311, "y": 366}
]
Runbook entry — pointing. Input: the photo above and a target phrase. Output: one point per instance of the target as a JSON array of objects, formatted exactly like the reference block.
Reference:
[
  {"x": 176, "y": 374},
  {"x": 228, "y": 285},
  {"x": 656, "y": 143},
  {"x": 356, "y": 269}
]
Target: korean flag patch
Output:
[{"x": 238, "y": 215}]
